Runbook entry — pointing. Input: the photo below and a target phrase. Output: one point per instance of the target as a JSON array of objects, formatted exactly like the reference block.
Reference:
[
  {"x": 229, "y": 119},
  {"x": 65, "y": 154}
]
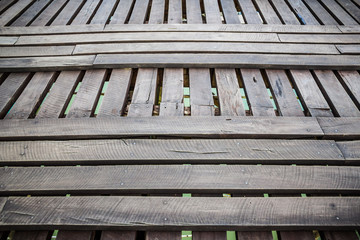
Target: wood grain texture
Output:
[
  {"x": 172, "y": 151},
  {"x": 212, "y": 12},
  {"x": 227, "y": 213},
  {"x": 235, "y": 127},
  {"x": 118, "y": 235},
  {"x": 139, "y": 12},
  {"x": 103, "y": 13},
  {"x": 348, "y": 49},
  {"x": 172, "y": 93},
  {"x": 175, "y": 12},
  {"x": 267, "y": 12},
  {"x": 157, "y": 12},
  {"x": 193, "y": 12},
  {"x": 351, "y": 8},
  {"x": 47, "y": 15},
  {"x": 36, "y": 51},
  {"x": 350, "y": 150},
  {"x": 163, "y": 235},
  {"x": 340, "y": 128},
  {"x": 31, "y": 235},
  {"x": 287, "y": 16},
  {"x": 121, "y": 12},
  {"x": 30, "y": 13},
  {"x": 303, "y": 12},
  {"x": 128, "y": 179},
  {"x": 230, "y": 12},
  {"x": 339, "y": 12},
  {"x": 86, "y": 12},
  {"x": 351, "y": 80},
  {"x": 14, "y": 11},
  {"x": 250, "y": 13},
  {"x": 68, "y": 12},
  {"x": 325, "y": 38}
]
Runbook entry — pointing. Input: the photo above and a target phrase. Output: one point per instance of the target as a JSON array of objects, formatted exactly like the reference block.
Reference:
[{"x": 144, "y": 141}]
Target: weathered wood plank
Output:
[
  {"x": 5, "y": 41},
  {"x": 163, "y": 235},
  {"x": 36, "y": 51},
  {"x": 348, "y": 49},
  {"x": 175, "y": 12},
  {"x": 102, "y": 15},
  {"x": 179, "y": 213},
  {"x": 256, "y": 92},
  {"x": 122, "y": 12},
  {"x": 139, "y": 12},
  {"x": 68, "y": 12},
  {"x": 4, "y": 4},
  {"x": 118, "y": 235},
  {"x": 340, "y": 128},
  {"x": 212, "y": 12},
  {"x": 239, "y": 127},
  {"x": 86, "y": 12},
  {"x": 323, "y": 15},
  {"x": 319, "y": 38},
  {"x": 157, "y": 12},
  {"x": 172, "y": 93},
  {"x": 116, "y": 94},
  {"x": 285, "y": 97},
  {"x": 351, "y": 80},
  {"x": 285, "y": 12},
  {"x": 351, "y": 8},
  {"x": 168, "y": 151},
  {"x": 30, "y": 13},
  {"x": 351, "y": 151},
  {"x": 303, "y": 12},
  {"x": 310, "y": 94},
  {"x": 32, "y": 96},
  {"x": 249, "y": 12},
  {"x": 47, "y": 15},
  {"x": 14, "y": 11},
  {"x": 88, "y": 94},
  {"x": 339, "y": 12},
  {"x": 31, "y": 235},
  {"x": 230, "y": 12},
  {"x": 201, "y": 98},
  {"x": 336, "y": 94},
  {"x": 178, "y": 179},
  {"x": 193, "y": 12},
  {"x": 267, "y": 12}
]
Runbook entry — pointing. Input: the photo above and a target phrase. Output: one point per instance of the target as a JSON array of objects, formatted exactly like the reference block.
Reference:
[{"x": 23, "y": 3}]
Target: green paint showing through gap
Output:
[
  {"x": 103, "y": 90},
  {"x": 230, "y": 235},
  {"x": 272, "y": 99},
  {"x": 72, "y": 99},
  {"x": 274, "y": 235},
  {"x": 298, "y": 100},
  {"x": 186, "y": 235},
  {"x": 55, "y": 233},
  {"x": 243, "y": 97},
  {"x": 186, "y": 97}
]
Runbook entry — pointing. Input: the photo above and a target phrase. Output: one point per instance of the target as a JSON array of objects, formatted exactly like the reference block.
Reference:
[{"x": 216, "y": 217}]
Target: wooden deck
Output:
[{"x": 179, "y": 119}]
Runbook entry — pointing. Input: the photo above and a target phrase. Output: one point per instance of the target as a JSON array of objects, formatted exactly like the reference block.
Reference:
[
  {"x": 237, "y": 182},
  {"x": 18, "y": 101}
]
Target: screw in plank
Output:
[
  {"x": 336, "y": 130},
  {"x": 121, "y": 183}
]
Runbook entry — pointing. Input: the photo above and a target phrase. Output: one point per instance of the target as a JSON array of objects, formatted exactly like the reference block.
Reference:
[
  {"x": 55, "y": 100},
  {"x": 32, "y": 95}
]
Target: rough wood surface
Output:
[
  {"x": 118, "y": 235},
  {"x": 350, "y": 150},
  {"x": 172, "y": 93},
  {"x": 340, "y": 128},
  {"x": 201, "y": 98}
]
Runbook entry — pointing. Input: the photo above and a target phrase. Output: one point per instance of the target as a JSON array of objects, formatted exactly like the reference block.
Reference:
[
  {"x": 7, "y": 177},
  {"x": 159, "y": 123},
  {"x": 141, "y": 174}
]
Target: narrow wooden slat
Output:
[
  {"x": 230, "y": 12},
  {"x": 348, "y": 49},
  {"x": 249, "y": 12},
  {"x": 122, "y": 12},
  {"x": 239, "y": 127},
  {"x": 268, "y": 12},
  {"x": 118, "y": 235},
  {"x": 212, "y": 12},
  {"x": 116, "y": 94},
  {"x": 340, "y": 128},
  {"x": 179, "y": 213},
  {"x": 139, "y": 12},
  {"x": 86, "y": 12},
  {"x": 256, "y": 92},
  {"x": 285, "y": 12},
  {"x": 284, "y": 94},
  {"x": 339, "y": 12},
  {"x": 47, "y": 15},
  {"x": 350, "y": 150},
  {"x": 67, "y": 12},
  {"x": 144, "y": 93},
  {"x": 30, "y": 99},
  {"x": 157, "y": 12},
  {"x": 201, "y": 99},
  {"x": 172, "y": 93},
  {"x": 321, "y": 12},
  {"x": 352, "y": 81},
  {"x": 74, "y": 235},
  {"x": 193, "y": 12},
  {"x": 59, "y": 96},
  {"x": 8, "y": 40},
  {"x": 89, "y": 92},
  {"x": 31, "y": 235},
  {"x": 228, "y": 90},
  {"x": 325, "y": 38},
  {"x": 243, "y": 235},
  {"x": 5, "y": 4},
  {"x": 163, "y": 235},
  {"x": 337, "y": 96},
  {"x": 310, "y": 93},
  {"x": 175, "y": 11},
  {"x": 103, "y": 13},
  {"x": 303, "y": 12},
  {"x": 14, "y": 11},
  {"x": 10, "y": 90},
  {"x": 351, "y": 8},
  {"x": 36, "y": 51},
  {"x": 209, "y": 235},
  {"x": 332, "y": 235},
  {"x": 175, "y": 151},
  {"x": 30, "y": 13}
]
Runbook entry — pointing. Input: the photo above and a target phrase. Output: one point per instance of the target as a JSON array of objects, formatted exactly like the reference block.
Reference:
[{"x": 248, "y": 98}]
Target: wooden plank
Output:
[
  {"x": 293, "y": 235},
  {"x": 144, "y": 92},
  {"x": 88, "y": 94},
  {"x": 102, "y": 15},
  {"x": 74, "y": 235},
  {"x": 339, "y": 12},
  {"x": 168, "y": 151},
  {"x": 157, "y": 12},
  {"x": 323, "y": 15},
  {"x": 285, "y": 12},
  {"x": 139, "y": 12},
  {"x": 122, "y": 12},
  {"x": 196, "y": 179},
  {"x": 86, "y": 12},
  {"x": 249, "y": 12},
  {"x": 351, "y": 8},
  {"x": 11, "y": 89},
  {"x": 14, "y": 11},
  {"x": 187, "y": 47},
  {"x": 30, "y": 99},
  {"x": 118, "y": 235},
  {"x": 59, "y": 95},
  {"x": 68, "y": 12},
  {"x": 239, "y": 127},
  {"x": 268, "y": 12},
  {"x": 256, "y": 92},
  {"x": 172, "y": 36},
  {"x": 228, "y": 90},
  {"x": 336, "y": 94},
  {"x": 175, "y": 12},
  {"x": 340, "y": 128},
  {"x": 310, "y": 95},
  {"x": 172, "y": 93},
  {"x": 30, "y": 13},
  {"x": 351, "y": 80},
  {"x": 31, "y": 235},
  {"x": 193, "y": 12},
  {"x": 350, "y": 150},
  {"x": 163, "y": 235},
  {"x": 46, "y": 63},
  {"x": 349, "y": 28},
  {"x": 36, "y": 51},
  {"x": 243, "y": 235},
  {"x": 230, "y": 12},
  {"x": 179, "y": 213},
  {"x": 201, "y": 98},
  {"x": 115, "y": 97},
  {"x": 348, "y": 49},
  {"x": 285, "y": 97},
  {"x": 4, "y": 41},
  {"x": 330, "y": 62},
  {"x": 48, "y": 14},
  {"x": 35, "y": 30},
  {"x": 341, "y": 235},
  {"x": 212, "y": 12},
  {"x": 209, "y": 235},
  {"x": 303, "y": 12},
  {"x": 4, "y": 4},
  {"x": 324, "y": 38}
]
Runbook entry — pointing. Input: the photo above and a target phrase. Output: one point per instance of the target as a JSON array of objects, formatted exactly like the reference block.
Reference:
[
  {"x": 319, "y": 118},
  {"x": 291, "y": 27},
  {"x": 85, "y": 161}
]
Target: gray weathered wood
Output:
[
  {"x": 193, "y": 12},
  {"x": 172, "y": 93},
  {"x": 268, "y": 12},
  {"x": 285, "y": 12},
  {"x": 36, "y": 51},
  {"x": 319, "y": 38},
  {"x": 102, "y": 15},
  {"x": 323, "y": 15},
  {"x": 249, "y": 12},
  {"x": 139, "y": 12},
  {"x": 14, "y": 11},
  {"x": 118, "y": 235},
  {"x": 201, "y": 98},
  {"x": 30, "y": 13},
  {"x": 47, "y": 15},
  {"x": 181, "y": 213},
  {"x": 238, "y": 127},
  {"x": 157, "y": 12},
  {"x": 348, "y": 49},
  {"x": 351, "y": 151},
  {"x": 212, "y": 12},
  {"x": 351, "y": 80},
  {"x": 67, "y": 12},
  {"x": 175, "y": 12},
  {"x": 340, "y": 128},
  {"x": 86, "y": 12},
  {"x": 303, "y": 12},
  {"x": 339, "y": 12},
  {"x": 230, "y": 12},
  {"x": 351, "y": 8},
  {"x": 122, "y": 12},
  {"x": 8, "y": 41}
]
